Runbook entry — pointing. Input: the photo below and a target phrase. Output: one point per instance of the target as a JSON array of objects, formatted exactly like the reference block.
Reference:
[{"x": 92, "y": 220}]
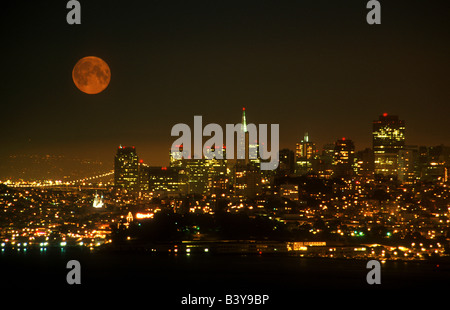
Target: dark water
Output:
[{"x": 176, "y": 276}]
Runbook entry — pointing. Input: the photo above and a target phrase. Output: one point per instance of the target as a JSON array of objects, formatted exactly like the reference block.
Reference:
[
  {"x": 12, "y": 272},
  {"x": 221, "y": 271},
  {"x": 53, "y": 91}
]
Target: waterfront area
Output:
[
  {"x": 278, "y": 275},
  {"x": 334, "y": 219}
]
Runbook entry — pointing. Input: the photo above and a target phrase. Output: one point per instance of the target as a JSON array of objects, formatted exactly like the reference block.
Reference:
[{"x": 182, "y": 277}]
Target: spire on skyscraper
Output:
[{"x": 244, "y": 121}]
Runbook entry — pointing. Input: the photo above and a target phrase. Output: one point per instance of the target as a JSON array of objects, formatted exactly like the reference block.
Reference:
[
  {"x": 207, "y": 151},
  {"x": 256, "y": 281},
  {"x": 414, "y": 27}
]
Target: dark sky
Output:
[{"x": 313, "y": 66}]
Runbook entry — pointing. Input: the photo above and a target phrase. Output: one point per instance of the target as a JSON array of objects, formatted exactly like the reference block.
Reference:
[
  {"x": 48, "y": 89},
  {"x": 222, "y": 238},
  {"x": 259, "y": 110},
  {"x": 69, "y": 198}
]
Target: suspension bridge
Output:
[{"x": 90, "y": 181}]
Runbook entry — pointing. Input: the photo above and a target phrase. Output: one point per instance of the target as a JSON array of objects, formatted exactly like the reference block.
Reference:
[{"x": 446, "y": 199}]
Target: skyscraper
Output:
[
  {"x": 249, "y": 145},
  {"x": 287, "y": 164},
  {"x": 243, "y": 121},
  {"x": 126, "y": 169},
  {"x": 305, "y": 152},
  {"x": 163, "y": 180},
  {"x": 197, "y": 174},
  {"x": 246, "y": 172},
  {"x": 434, "y": 163},
  {"x": 408, "y": 162},
  {"x": 364, "y": 163},
  {"x": 388, "y": 139},
  {"x": 247, "y": 181},
  {"x": 325, "y": 164},
  {"x": 344, "y": 157}
]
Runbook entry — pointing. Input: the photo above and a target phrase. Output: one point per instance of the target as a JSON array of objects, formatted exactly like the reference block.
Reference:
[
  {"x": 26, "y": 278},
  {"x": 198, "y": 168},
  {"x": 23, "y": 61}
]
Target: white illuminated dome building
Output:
[{"x": 98, "y": 201}]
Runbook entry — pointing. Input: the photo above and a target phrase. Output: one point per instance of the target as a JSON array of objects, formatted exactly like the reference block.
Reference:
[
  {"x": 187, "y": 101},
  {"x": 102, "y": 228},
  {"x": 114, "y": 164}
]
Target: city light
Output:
[
  {"x": 334, "y": 195},
  {"x": 226, "y": 152}
]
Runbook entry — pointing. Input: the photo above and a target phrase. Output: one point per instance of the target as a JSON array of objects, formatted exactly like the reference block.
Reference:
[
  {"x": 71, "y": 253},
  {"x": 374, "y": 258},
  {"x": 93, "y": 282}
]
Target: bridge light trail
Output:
[{"x": 55, "y": 183}]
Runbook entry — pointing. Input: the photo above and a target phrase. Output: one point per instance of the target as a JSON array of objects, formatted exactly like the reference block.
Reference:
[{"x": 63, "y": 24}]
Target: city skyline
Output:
[
  {"x": 184, "y": 148},
  {"x": 284, "y": 63},
  {"x": 158, "y": 156},
  {"x": 306, "y": 148}
]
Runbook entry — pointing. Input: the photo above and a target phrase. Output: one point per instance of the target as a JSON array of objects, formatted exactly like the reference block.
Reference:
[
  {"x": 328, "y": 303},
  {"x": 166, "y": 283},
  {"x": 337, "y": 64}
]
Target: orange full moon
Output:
[{"x": 91, "y": 75}]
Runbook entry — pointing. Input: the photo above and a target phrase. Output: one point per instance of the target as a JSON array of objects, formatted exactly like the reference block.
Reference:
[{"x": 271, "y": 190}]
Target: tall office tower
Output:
[
  {"x": 163, "y": 180},
  {"x": 206, "y": 176},
  {"x": 287, "y": 164},
  {"x": 247, "y": 181},
  {"x": 216, "y": 171},
  {"x": 143, "y": 177},
  {"x": 178, "y": 162},
  {"x": 305, "y": 152},
  {"x": 202, "y": 176},
  {"x": 126, "y": 169},
  {"x": 197, "y": 175},
  {"x": 242, "y": 139},
  {"x": 408, "y": 163},
  {"x": 437, "y": 164},
  {"x": 249, "y": 145},
  {"x": 243, "y": 121},
  {"x": 388, "y": 139},
  {"x": 365, "y": 163},
  {"x": 422, "y": 161},
  {"x": 344, "y": 157},
  {"x": 323, "y": 166}
]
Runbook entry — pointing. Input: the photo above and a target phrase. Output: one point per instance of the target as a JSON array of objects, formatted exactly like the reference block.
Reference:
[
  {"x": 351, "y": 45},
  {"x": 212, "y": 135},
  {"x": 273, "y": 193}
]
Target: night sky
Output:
[{"x": 313, "y": 66}]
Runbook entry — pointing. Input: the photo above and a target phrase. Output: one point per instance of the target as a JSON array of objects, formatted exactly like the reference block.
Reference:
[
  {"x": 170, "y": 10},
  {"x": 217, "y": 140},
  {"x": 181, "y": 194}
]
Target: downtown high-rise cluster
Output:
[
  {"x": 330, "y": 203},
  {"x": 389, "y": 157}
]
